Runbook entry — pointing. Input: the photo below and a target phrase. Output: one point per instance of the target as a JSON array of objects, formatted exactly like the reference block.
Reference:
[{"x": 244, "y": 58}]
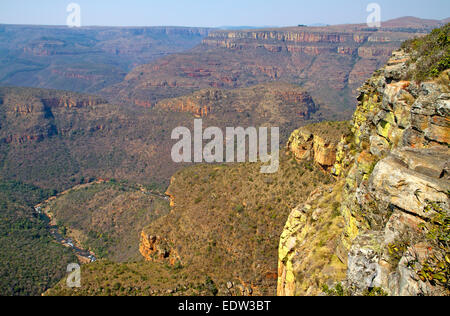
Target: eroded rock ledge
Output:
[
  {"x": 394, "y": 165},
  {"x": 318, "y": 142}
]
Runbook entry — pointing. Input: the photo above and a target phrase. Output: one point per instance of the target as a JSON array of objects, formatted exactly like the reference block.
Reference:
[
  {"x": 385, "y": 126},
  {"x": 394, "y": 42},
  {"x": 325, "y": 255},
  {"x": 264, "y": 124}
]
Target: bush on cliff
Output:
[{"x": 430, "y": 54}]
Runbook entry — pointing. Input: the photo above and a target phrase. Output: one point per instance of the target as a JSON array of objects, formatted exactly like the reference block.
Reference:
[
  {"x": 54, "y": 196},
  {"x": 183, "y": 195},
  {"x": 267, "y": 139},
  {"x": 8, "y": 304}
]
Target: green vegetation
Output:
[
  {"x": 105, "y": 278},
  {"x": 430, "y": 54},
  {"x": 107, "y": 217},
  {"x": 436, "y": 268},
  {"x": 340, "y": 290},
  {"x": 30, "y": 260},
  {"x": 229, "y": 218}
]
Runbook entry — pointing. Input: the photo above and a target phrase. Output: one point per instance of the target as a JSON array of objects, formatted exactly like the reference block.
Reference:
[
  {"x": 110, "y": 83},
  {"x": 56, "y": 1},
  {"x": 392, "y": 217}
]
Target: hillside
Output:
[
  {"x": 364, "y": 207},
  {"x": 223, "y": 227},
  {"x": 56, "y": 139},
  {"x": 30, "y": 260},
  {"x": 392, "y": 188},
  {"x": 105, "y": 278},
  {"x": 87, "y": 59},
  {"x": 329, "y": 62},
  {"x": 106, "y": 217}
]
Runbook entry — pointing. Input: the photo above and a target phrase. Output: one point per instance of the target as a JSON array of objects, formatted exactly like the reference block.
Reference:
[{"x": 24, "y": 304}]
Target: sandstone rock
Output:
[
  {"x": 440, "y": 134},
  {"x": 295, "y": 253},
  {"x": 408, "y": 283},
  {"x": 394, "y": 183},
  {"x": 402, "y": 113},
  {"x": 443, "y": 105},
  {"x": 379, "y": 146},
  {"x": 313, "y": 143},
  {"x": 431, "y": 162},
  {"x": 363, "y": 268},
  {"x": 157, "y": 248},
  {"x": 402, "y": 226},
  {"x": 324, "y": 152}
]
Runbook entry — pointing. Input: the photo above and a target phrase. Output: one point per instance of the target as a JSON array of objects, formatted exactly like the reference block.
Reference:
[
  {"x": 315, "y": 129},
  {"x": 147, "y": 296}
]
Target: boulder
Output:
[
  {"x": 363, "y": 262},
  {"x": 394, "y": 183}
]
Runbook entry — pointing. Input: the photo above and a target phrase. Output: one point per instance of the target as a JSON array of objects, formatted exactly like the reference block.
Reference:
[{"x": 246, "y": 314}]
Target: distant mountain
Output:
[
  {"x": 412, "y": 23},
  {"x": 233, "y": 28},
  {"x": 85, "y": 59},
  {"x": 330, "y": 62}
]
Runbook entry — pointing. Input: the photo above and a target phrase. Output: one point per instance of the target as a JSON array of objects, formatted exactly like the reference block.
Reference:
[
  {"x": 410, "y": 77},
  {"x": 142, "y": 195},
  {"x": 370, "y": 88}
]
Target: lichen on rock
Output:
[{"x": 394, "y": 164}]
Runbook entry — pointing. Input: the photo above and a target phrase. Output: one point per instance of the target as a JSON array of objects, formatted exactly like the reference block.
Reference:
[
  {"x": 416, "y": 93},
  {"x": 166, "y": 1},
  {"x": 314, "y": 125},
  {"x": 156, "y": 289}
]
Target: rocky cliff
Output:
[
  {"x": 310, "y": 41},
  {"x": 278, "y": 98},
  {"x": 392, "y": 195},
  {"x": 318, "y": 142},
  {"x": 29, "y": 116},
  {"x": 329, "y": 62}
]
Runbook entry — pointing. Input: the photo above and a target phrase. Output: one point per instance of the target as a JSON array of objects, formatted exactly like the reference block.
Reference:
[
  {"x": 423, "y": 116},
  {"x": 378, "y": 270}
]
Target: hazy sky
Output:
[{"x": 214, "y": 12}]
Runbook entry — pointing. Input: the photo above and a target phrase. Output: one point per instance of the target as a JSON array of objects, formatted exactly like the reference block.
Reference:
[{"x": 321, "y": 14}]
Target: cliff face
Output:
[
  {"x": 330, "y": 62},
  {"x": 154, "y": 248},
  {"x": 30, "y": 117},
  {"x": 282, "y": 100},
  {"x": 86, "y": 59},
  {"x": 394, "y": 181},
  {"x": 318, "y": 142},
  {"x": 311, "y": 42}
]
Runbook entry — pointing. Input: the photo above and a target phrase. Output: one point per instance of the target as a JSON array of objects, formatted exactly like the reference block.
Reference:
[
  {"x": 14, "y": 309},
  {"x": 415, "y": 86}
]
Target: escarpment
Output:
[
  {"x": 329, "y": 62},
  {"x": 318, "y": 142},
  {"x": 30, "y": 117},
  {"x": 272, "y": 99},
  {"x": 310, "y": 41},
  {"x": 392, "y": 195}
]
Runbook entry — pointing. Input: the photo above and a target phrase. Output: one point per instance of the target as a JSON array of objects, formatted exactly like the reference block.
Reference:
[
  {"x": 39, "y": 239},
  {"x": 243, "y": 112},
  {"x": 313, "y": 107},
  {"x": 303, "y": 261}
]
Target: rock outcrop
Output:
[
  {"x": 36, "y": 112},
  {"x": 318, "y": 142},
  {"x": 279, "y": 98},
  {"x": 394, "y": 175},
  {"x": 307, "y": 252},
  {"x": 329, "y": 62},
  {"x": 154, "y": 248}
]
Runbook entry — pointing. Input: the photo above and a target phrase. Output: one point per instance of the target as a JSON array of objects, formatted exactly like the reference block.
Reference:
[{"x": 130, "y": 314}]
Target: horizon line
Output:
[{"x": 317, "y": 24}]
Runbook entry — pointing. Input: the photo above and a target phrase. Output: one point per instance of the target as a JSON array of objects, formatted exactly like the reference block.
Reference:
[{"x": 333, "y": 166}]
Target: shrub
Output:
[{"x": 430, "y": 54}]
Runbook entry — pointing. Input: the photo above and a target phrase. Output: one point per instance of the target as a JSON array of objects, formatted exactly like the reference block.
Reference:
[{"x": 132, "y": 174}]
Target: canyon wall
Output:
[
  {"x": 328, "y": 62},
  {"x": 30, "y": 117},
  {"x": 85, "y": 59},
  {"x": 393, "y": 182}
]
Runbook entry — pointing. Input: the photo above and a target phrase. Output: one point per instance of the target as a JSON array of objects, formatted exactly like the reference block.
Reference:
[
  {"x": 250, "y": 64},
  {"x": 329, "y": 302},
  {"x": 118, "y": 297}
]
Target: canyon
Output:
[
  {"x": 347, "y": 213},
  {"x": 328, "y": 62},
  {"x": 86, "y": 59}
]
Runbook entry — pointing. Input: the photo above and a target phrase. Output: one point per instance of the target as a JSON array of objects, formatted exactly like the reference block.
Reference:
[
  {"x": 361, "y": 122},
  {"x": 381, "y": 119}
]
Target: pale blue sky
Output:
[{"x": 213, "y": 12}]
